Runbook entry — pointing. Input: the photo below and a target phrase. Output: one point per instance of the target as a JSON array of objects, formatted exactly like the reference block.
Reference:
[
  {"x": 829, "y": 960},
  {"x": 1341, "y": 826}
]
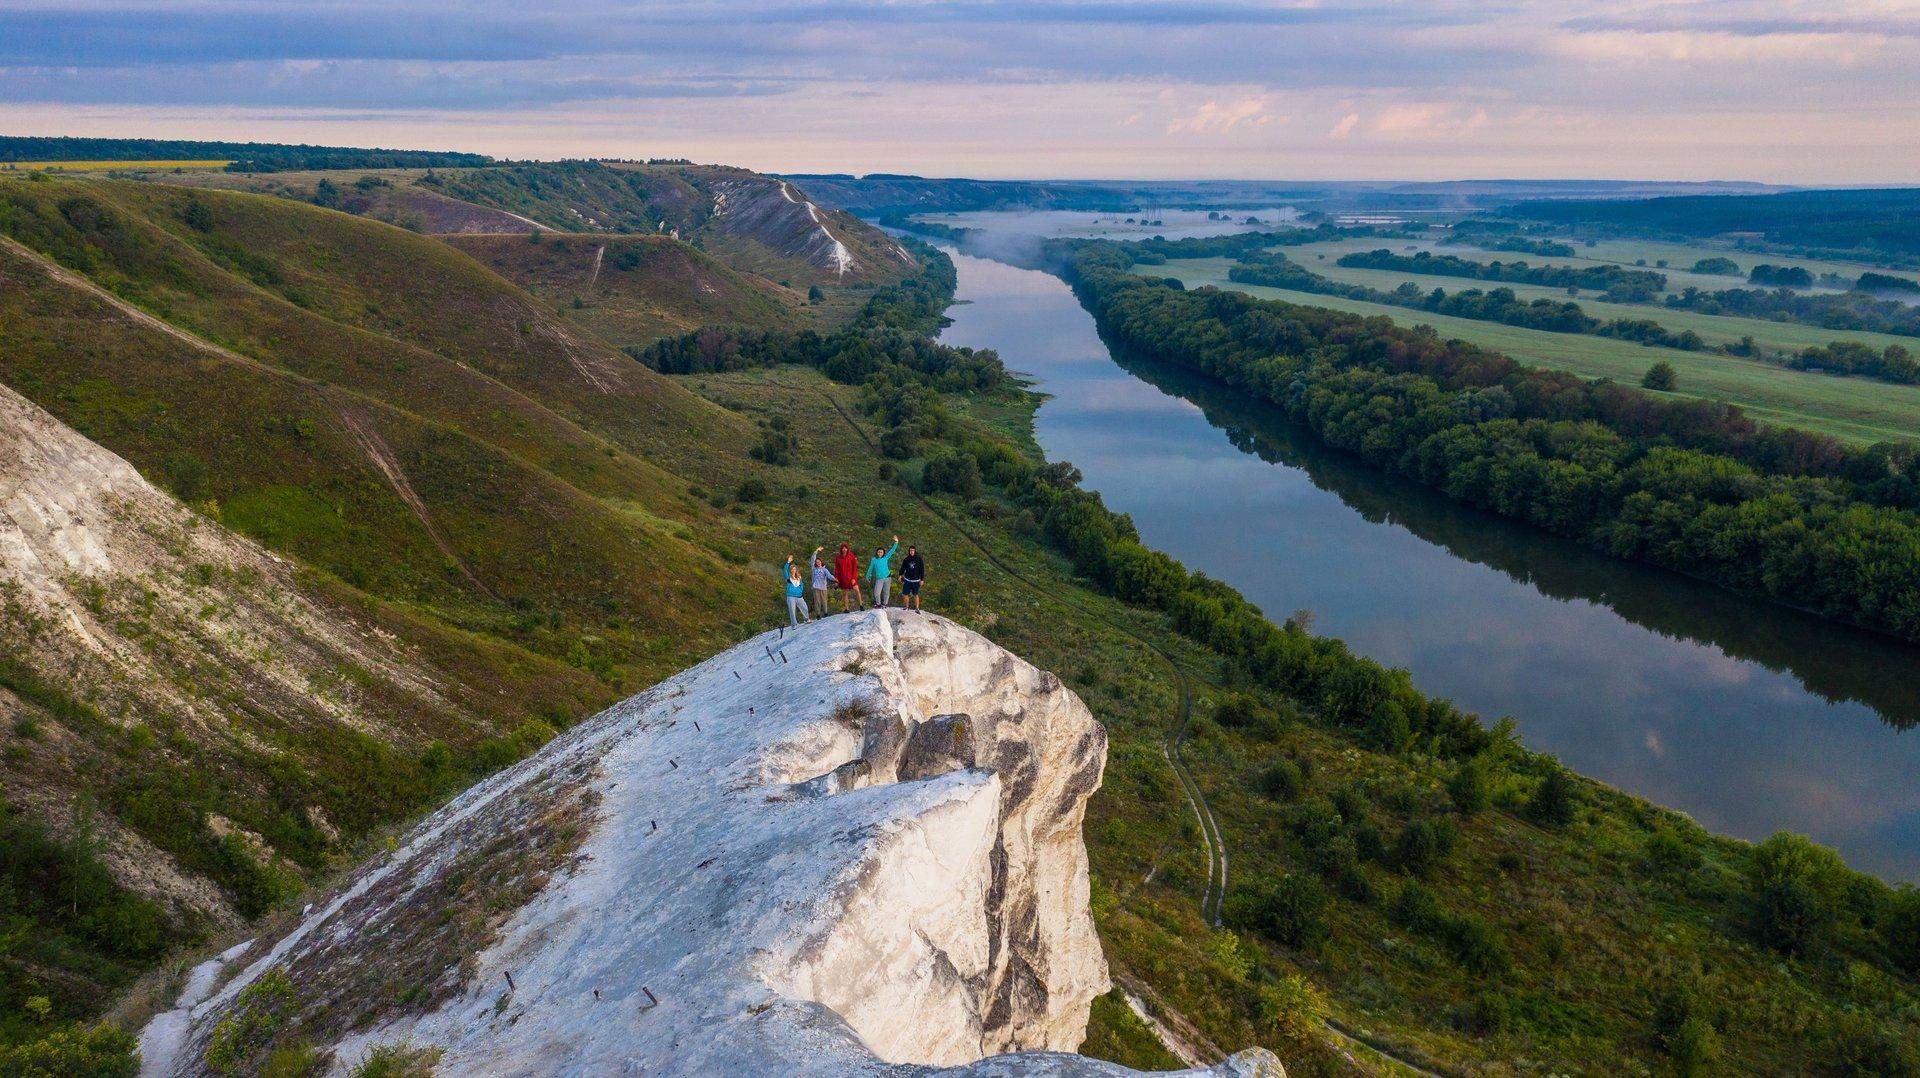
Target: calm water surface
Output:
[{"x": 1750, "y": 718}]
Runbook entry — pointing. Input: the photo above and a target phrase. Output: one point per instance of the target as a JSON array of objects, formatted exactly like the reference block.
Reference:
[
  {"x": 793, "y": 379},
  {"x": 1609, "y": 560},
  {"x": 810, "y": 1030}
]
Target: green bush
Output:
[
  {"x": 247, "y": 1033},
  {"x": 1281, "y": 781},
  {"x": 1555, "y": 801},
  {"x": 1290, "y": 910},
  {"x": 1424, "y": 845},
  {"x": 98, "y": 1051},
  {"x": 1900, "y": 929},
  {"x": 1795, "y": 888},
  {"x": 1470, "y": 787}
]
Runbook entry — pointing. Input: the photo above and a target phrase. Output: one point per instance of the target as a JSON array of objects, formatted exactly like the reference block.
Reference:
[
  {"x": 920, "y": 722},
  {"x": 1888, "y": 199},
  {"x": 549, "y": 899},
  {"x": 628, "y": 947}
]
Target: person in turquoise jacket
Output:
[
  {"x": 880, "y": 571},
  {"x": 796, "y": 593}
]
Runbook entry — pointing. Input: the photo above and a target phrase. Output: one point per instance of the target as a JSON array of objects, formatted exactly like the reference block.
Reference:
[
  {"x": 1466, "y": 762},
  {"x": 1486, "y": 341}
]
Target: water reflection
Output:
[{"x": 1750, "y": 717}]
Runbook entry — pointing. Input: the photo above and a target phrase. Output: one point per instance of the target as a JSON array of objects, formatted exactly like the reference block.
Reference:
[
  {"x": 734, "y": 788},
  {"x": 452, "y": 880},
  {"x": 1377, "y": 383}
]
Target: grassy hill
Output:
[{"x": 632, "y": 290}]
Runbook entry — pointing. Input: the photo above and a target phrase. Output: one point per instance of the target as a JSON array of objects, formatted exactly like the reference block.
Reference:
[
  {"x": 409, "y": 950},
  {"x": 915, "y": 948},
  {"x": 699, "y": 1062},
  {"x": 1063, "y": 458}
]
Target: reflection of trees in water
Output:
[{"x": 1835, "y": 662}]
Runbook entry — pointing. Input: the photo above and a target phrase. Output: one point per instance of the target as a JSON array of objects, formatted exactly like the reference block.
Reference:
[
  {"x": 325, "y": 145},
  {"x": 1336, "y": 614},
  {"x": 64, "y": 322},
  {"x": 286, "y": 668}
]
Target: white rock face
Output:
[{"x": 784, "y": 865}]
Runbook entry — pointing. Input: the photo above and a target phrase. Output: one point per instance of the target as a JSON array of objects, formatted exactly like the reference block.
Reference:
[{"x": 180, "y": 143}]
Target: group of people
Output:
[{"x": 844, "y": 576}]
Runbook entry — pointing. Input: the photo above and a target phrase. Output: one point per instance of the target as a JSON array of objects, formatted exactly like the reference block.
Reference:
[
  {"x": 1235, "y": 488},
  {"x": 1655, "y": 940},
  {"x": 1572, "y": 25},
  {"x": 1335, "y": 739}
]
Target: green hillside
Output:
[{"x": 632, "y": 290}]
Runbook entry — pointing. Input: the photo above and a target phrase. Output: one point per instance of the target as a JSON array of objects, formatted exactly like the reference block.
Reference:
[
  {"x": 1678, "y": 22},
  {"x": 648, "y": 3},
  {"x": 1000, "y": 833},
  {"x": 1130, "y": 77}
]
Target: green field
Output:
[
  {"x": 1856, "y": 410},
  {"x": 1715, "y": 329}
]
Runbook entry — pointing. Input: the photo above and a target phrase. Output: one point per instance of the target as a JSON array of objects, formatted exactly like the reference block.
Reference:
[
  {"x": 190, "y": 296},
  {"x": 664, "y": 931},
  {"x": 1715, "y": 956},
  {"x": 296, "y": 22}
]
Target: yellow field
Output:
[{"x": 104, "y": 166}]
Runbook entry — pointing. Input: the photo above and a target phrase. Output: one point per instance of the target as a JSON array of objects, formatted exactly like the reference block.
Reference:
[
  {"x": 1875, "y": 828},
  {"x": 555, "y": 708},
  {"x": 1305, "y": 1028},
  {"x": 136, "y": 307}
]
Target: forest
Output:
[
  {"x": 242, "y": 156},
  {"x": 1886, "y": 219},
  {"x": 1693, "y": 486}
]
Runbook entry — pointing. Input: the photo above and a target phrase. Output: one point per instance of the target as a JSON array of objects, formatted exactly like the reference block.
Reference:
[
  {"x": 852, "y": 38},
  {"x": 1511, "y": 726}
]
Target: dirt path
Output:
[
  {"x": 381, "y": 454},
  {"x": 1354, "y": 1042},
  {"x": 599, "y": 256},
  {"x": 1210, "y": 898},
  {"x": 1176, "y": 1034}
]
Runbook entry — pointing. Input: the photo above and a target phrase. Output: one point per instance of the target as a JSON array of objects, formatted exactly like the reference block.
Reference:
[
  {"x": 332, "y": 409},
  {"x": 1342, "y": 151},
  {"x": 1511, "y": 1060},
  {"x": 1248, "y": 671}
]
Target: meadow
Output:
[{"x": 1855, "y": 410}]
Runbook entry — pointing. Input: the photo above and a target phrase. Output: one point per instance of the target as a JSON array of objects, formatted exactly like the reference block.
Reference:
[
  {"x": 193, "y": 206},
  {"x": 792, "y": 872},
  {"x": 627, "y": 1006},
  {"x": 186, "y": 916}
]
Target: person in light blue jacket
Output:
[
  {"x": 880, "y": 571},
  {"x": 796, "y": 593}
]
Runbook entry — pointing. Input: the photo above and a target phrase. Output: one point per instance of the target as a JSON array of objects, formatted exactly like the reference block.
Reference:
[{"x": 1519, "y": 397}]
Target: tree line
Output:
[
  {"x": 1621, "y": 285},
  {"x": 1273, "y": 269},
  {"x": 1694, "y": 486}
]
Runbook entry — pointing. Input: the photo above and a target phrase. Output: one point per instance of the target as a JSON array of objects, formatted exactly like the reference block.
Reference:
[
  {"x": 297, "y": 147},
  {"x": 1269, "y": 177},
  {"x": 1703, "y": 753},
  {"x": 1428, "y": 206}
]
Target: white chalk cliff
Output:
[{"x": 850, "y": 849}]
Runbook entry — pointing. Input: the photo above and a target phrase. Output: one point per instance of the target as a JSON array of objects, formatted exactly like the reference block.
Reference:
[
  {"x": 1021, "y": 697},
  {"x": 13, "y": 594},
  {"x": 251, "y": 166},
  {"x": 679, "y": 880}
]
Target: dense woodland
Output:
[
  {"x": 1694, "y": 486},
  {"x": 243, "y": 156},
  {"x": 1886, "y": 220}
]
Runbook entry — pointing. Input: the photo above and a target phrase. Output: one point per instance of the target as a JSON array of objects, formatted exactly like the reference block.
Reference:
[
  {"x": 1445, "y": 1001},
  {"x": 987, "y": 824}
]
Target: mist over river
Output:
[{"x": 1747, "y": 716}]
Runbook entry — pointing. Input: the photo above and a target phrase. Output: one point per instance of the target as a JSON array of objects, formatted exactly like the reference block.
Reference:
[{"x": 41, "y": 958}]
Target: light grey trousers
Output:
[
  {"x": 882, "y": 590},
  {"x": 797, "y": 610}
]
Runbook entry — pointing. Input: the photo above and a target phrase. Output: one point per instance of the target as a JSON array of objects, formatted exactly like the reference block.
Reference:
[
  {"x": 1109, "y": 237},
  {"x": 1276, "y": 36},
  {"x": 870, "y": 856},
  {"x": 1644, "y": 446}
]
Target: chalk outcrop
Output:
[{"x": 850, "y": 849}]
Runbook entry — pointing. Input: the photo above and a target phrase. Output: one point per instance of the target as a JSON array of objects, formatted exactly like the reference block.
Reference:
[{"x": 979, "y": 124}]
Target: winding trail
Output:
[{"x": 1210, "y": 898}]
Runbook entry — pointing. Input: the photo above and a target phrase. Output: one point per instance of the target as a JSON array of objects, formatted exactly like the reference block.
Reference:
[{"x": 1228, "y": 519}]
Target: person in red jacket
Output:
[{"x": 846, "y": 573}]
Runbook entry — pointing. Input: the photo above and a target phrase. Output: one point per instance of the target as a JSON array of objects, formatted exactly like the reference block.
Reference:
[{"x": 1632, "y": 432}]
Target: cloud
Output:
[
  {"x": 1213, "y": 117},
  {"x": 1344, "y": 127}
]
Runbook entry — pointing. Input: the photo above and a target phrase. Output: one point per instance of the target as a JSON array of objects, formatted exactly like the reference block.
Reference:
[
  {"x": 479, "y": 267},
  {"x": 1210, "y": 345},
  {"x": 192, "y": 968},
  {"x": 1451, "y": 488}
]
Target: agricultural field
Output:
[
  {"x": 1625, "y": 253},
  {"x": 1714, "y": 329},
  {"x": 1856, "y": 410}
]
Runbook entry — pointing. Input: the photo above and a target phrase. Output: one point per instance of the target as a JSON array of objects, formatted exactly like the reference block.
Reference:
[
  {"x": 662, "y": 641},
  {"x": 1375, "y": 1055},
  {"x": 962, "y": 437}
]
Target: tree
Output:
[
  {"x": 1661, "y": 376},
  {"x": 1554, "y": 800},
  {"x": 1795, "y": 888},
  {"x": 814, "y": 295},
  {"x": 1290, "y": 910},
  {"x": 327, "y": 193}
]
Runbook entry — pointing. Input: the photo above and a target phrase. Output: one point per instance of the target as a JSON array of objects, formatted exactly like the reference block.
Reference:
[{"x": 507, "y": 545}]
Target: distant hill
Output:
[
  {"x": 633, "y": 290},
  {"x": 1883, "y": 218},
  {"x": 244, "y": 156}
]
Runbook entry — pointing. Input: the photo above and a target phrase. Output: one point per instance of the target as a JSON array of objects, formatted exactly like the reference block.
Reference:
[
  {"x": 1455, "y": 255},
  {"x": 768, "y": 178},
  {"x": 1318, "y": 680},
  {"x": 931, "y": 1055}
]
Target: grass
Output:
[
  {"x": 633, "y": 290},
  {"x": 1856, "y": 410}
]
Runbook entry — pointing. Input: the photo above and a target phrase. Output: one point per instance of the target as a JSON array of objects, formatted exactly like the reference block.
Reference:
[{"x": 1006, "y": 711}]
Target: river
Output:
[{"x": 1749, "y": 717}]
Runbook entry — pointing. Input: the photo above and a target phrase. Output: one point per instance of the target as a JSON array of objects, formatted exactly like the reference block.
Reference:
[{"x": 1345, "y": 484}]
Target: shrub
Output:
[
  {"x": 1388, "y": 728},
  {"x": 1470, "y": 787},
  {"x": 257, "y": 1018},
  {"x": 1661, "y": 376},
  {"x": 1291, "y": 1011},
  {"x": 1423, "y": 845},
  {"x": 1666, "y": 853},
  {"x": 956, "y": 473},
  {"x": 1857, "y": 1044},
  {"x": 397, "y": 1061},
  {"x": 98, "y": 1051},
  {"x": 1281, "y": 781},
  {"x": 1554, "y": 801},
  {"x": 1290, "y": 910},
  {"x": 1900, "y": 929},
  {"x": 1794, "y": 887}
]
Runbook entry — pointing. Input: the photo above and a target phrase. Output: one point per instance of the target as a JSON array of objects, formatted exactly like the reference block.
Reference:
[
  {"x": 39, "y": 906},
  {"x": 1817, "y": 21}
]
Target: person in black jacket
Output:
[{"x": 913, "y": 573}]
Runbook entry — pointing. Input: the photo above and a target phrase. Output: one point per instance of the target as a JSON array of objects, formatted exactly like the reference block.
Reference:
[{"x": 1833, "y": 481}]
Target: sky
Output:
[{"x": 1783, "y": 91}]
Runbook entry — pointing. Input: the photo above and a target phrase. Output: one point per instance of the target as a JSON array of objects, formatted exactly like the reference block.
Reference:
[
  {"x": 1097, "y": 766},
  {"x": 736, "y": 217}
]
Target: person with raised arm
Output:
[{"x": 880, "y": 572}]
